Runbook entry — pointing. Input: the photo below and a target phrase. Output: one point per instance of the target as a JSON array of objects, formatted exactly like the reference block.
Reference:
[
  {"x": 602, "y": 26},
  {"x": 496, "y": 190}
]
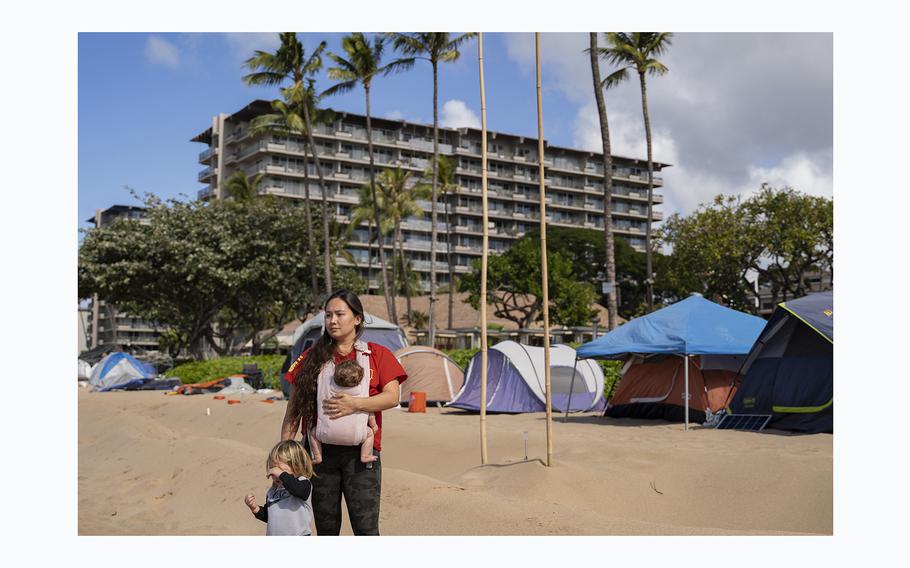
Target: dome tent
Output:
[
  {"x": 118, "y": 371},
  {"x": 431, "y": 371},
  {"x": 516, "y": 380},
  {"x": 789, "y": 372},
  {"x": 375, "y": 330}
]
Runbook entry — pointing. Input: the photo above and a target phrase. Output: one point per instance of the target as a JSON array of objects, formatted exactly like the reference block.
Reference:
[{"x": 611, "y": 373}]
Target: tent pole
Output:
[
  {"x": 571, "y": 388},
  {"x": 543, "y": 256},
  {"x": 687, "y": 391},
  {"x": 483, "y": 261}
]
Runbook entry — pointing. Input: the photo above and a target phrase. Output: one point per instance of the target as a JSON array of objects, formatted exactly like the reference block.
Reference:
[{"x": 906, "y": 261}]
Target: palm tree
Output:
[
  {"x": 287, "y": 119},
  {"x": 290, "y": 62},
  {"x": 399, "y": 200},
  {"x": 449, "y": 190},
  {"x": 607, "y": 160},
  {"x": 435, "y": 47},
  {"x": 363, "y": 63},
  {"x": 638, "y": 51},
  {"x": 242, "y": 188}
]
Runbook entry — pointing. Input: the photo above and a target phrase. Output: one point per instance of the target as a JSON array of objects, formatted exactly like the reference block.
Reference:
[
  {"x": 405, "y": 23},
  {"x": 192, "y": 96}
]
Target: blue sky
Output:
[{"x": 735, "y": 110}]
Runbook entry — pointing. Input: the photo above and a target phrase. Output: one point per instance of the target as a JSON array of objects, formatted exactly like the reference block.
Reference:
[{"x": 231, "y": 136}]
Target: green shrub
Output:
[
  {"x": 462, "y": 356},
  {"x": 202, "y": 371}
]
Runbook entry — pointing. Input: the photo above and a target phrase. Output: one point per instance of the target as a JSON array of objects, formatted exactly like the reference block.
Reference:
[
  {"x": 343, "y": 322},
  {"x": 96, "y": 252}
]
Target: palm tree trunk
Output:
[
  {"x": 404, "y": 270},
  {"x": 314, "y": 284},
  {"x": 369, "y": 251},
  {"x": 649, "y": 283},
  {"x": 450, "y": 249},
  {"x": 431, "y": 333},
  {"x": 389, "y": 298},
  {"x": 325, "y": 201},
  {"x": 607, "y": 161}
]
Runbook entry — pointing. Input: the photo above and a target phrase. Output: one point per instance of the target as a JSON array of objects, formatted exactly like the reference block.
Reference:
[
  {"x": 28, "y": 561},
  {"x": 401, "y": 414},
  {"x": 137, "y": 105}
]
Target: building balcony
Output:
[
  {"x": 206, "y": 174},
  {"x": 208, "y": 153}
]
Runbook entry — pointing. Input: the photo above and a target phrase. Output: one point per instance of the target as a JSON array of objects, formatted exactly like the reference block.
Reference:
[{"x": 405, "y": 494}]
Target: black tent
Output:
[{"x": 789, "y": 371}]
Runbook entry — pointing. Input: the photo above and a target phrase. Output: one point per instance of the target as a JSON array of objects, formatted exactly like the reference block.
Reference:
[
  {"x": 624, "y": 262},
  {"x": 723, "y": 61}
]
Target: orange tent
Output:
[{"x": 654, "y": 387}]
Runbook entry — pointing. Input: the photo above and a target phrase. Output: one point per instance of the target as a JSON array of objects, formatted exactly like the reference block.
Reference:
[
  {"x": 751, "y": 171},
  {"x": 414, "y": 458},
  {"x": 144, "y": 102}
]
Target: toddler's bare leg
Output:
[
  {"x": 315, "y": 447},
  {"x": 366, "y": 448}
]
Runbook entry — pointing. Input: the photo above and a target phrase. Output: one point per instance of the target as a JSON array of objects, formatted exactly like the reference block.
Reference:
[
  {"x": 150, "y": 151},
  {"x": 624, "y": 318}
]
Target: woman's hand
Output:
[
  {"x": 251, "y": 503},
  {"x": 340, "y": 405}
]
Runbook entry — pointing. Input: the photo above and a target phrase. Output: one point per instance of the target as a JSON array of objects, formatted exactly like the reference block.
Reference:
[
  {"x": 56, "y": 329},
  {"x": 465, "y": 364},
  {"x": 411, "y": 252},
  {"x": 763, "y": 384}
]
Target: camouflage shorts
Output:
[{"x": 342, "y": 473}]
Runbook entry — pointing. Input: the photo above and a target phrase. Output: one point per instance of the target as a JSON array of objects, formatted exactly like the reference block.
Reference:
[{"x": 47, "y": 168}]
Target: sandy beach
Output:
[{"x": 154, "y": 464}]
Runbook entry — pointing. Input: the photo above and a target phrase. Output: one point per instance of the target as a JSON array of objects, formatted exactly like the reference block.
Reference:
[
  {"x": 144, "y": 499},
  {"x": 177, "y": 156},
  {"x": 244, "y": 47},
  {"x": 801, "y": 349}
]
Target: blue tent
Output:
[
  {"x": 660, "y": 380},
  {"x": 789, "y": 372},
  {"x": 694, "y": 326},
  {"x": 119, "y": 371}
]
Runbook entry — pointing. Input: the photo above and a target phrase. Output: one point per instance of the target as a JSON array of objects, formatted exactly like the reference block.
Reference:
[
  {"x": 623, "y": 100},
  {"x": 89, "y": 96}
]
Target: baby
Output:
[{"x": 348, "y": 430}]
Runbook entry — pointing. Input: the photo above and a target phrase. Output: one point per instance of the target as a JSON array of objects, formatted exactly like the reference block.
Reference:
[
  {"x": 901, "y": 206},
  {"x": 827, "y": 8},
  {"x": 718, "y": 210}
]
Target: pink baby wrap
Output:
[{"x": 350, "y": 430}]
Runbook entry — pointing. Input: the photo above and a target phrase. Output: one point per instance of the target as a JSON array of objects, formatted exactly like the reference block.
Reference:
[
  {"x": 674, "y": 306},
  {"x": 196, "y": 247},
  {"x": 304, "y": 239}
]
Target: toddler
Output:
[
  {"x": 287, "y": 510},
  {"x": 354, "y": 429}
]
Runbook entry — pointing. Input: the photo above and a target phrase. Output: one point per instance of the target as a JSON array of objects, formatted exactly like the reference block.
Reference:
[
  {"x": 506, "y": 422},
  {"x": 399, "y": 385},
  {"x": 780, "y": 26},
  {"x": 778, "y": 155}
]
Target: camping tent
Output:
[
  {"x": 431, "y": 371},
  {"x": 515, "y": 380},
  {"x": 657, "y": 387},
  {"x": 120, "y": 370},
  {"x": 789, "y": 372},
  {"x": 654, "y": 387},
  {"x": 376, "y": 330}
]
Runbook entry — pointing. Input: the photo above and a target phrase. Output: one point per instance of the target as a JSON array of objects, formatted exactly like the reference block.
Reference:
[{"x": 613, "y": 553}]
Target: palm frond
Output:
[{"x": 615, "y": 78}]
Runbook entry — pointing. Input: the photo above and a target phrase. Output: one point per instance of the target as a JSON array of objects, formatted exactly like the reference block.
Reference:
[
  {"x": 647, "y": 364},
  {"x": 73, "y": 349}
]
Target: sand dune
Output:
[{"x": 152, "y": 464}]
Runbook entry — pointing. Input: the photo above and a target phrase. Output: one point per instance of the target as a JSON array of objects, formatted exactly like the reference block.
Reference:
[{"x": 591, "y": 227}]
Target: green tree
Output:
[
  {"x": 448, "y": 187},
  {"x": 514, "y": 286},
  {"x": 435, "y": 47},
  {"x": 363, "y": 64},
  {"x": 797, "y": 233},
  {"x": 609, "y": 265},
  {"x": 205, "y": 270},
  {"x": 290, "y": 62},
  {"x": 638, "y": 51}
]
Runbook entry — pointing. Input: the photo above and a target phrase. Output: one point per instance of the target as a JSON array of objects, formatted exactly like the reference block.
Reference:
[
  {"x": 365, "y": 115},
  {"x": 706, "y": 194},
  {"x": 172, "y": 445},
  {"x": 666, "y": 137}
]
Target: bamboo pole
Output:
[
  {"x": 543, "y": 257},
  {"x": 483, "y": 260}
]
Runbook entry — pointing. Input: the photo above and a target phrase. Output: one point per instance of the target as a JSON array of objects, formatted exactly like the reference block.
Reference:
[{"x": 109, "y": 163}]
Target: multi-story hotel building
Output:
[
  {"x": 107, "y": 325},
  {"x": 573, "y": 182}
]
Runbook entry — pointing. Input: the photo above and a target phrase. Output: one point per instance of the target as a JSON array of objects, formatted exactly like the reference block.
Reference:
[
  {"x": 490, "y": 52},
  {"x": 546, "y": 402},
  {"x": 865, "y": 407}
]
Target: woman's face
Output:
[{"x": 340, "y": 321}]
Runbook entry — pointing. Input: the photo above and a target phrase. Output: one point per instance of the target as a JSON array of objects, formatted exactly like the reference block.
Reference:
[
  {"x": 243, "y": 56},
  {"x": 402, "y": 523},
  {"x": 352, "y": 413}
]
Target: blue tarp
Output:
[
  {"x": 693, "y": 326},
  {"x": 119, "y": 371}
]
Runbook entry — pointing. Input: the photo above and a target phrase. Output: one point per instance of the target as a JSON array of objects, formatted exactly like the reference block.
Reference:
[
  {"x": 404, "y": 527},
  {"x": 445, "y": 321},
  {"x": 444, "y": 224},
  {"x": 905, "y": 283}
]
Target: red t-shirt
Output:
[{"x": 384, "y": 368}]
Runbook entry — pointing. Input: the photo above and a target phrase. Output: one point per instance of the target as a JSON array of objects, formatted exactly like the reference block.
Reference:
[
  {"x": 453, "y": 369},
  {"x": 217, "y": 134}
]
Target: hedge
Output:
[{"x": 201, "y": 371}]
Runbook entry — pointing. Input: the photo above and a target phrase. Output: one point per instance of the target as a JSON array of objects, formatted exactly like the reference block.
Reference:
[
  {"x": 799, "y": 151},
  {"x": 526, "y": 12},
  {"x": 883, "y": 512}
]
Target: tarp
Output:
[
  {"x": 516, "y": 380},
  {"x": 376, "y": 330},
  {"x": 120, "y": 370},
  {"x": 789, "y": 373},
  {"x": 430, "y": 371},
  {"x": 693, "y": 326}
]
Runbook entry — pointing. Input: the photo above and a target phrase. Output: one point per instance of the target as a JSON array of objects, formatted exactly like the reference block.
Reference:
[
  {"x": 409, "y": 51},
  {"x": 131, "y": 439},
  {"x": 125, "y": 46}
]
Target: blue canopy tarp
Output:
[{"x": 694, "y": 326}]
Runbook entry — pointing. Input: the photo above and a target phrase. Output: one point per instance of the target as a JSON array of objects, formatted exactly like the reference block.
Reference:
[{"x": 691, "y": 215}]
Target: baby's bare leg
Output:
[
  {"x": 315, "y": 447},
  {"x": 366, "y": 448}
]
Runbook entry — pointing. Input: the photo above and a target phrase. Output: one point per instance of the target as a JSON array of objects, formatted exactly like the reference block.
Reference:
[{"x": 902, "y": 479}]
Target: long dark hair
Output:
[{"x": 303, "y": 398}]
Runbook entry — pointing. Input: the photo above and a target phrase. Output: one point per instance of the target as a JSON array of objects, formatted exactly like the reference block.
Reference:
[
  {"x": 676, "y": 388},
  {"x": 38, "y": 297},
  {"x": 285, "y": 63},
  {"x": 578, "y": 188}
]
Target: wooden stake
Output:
[
  {"x": 543, "y": 257},
  {"x": 483, "y": 260}
]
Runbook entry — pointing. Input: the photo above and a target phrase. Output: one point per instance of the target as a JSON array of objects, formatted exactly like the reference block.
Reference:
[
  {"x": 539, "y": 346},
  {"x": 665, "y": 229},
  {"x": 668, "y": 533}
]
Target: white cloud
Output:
[
  {"x": 243, "y": 44},
  {"x": 456, "y": 113},
  {"x": 161, "y": 52},
  {"x": 394, "y": 115},
  {"x": 800, "y": 171}
]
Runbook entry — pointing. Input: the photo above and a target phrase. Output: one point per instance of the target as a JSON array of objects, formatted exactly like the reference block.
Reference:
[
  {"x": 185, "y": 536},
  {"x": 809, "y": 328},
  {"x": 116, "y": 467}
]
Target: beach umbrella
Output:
[
  {"x": 483, "y": 258},
  {"x": 543, "y": 256}
]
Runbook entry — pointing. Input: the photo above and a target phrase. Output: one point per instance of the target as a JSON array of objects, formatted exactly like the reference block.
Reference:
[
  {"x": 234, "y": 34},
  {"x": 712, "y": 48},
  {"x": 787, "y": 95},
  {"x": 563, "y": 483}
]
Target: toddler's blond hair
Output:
[{"x": 292, "y": 453}]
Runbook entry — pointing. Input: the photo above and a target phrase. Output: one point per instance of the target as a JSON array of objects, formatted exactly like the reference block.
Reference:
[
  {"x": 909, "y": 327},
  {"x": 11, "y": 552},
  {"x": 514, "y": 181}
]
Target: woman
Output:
[{"x": 341, "y": 471}]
